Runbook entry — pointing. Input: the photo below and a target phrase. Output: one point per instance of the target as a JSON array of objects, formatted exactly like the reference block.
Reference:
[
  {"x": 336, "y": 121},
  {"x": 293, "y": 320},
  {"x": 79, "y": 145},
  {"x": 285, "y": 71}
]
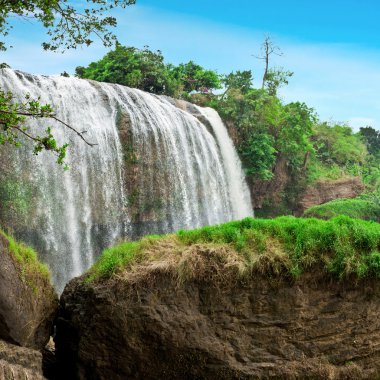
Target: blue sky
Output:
[{"x": 333, "y": 47}]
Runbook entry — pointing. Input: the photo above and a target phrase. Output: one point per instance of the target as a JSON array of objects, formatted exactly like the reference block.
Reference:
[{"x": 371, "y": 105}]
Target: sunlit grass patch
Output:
[
  {"x": 31, "y": 269},
  {"x": 341, "y": 247}
]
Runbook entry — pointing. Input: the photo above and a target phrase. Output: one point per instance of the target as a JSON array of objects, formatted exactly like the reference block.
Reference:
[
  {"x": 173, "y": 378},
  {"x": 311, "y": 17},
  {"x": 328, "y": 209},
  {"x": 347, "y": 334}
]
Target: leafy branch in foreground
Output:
[
  {"x": 67, "y": 25},
  {"x": 12, "y": 125}
]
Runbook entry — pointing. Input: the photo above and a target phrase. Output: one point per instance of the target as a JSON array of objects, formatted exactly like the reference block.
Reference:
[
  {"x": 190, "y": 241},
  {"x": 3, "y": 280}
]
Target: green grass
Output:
[
  {"x": 119, "y": 257},
  {"x": 366, "y": 207},
  {"x": 31, "y": 269},
  {"x": 342, "y": 247},
  {"x": 320, "y": 172}
]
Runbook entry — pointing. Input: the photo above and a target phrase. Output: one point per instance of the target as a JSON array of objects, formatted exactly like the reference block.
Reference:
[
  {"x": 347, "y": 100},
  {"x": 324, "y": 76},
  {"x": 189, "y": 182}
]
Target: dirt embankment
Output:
[
  {"x": 326, "y": 191},
  {"x": 151, "y": 323},
  {"x": 281, "y": 191}
]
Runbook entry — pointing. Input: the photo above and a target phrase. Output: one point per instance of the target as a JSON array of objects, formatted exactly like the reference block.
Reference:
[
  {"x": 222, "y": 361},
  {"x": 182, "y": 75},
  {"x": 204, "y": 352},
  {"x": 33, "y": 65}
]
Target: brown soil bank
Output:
[
  {"x": 323, "y": 192},
  {"x": 188, "y": 315}
]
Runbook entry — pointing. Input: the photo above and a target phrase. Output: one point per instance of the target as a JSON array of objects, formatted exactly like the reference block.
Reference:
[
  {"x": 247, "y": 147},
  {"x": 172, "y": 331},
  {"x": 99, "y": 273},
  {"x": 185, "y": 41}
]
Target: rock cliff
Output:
[
  {"x": 28, "y": 301},
  {"x": 149, "y": 323},
  {"x": 19, "y": 363},
  {"x": 326, "y": 191}
]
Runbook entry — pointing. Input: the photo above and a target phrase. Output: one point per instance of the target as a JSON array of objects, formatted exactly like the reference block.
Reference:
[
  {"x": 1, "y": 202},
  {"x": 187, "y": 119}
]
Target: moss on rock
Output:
[{"x": 28, "y": 301}]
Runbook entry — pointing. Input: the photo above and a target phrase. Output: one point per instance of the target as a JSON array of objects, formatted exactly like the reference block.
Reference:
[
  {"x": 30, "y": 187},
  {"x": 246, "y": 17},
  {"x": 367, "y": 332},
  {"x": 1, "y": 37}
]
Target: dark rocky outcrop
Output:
[
  {"x": 19, "y": 363},
  {"x": 148, "y": 324},
  {"x": 28, "y": 302}
]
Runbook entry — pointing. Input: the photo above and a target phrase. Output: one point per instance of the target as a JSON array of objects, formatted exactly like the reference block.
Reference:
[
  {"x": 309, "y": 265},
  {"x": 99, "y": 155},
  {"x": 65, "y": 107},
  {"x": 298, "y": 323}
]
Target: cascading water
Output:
[
  {"x": 155, "y": 169},
  {"x": 66, "y": 208},
  {"x": 238, "y": 189}
]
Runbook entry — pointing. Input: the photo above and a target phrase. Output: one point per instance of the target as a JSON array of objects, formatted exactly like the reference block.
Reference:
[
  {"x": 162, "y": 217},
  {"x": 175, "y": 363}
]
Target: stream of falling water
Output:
[
  {"x": 155, "y": 169},
  {"x": 238, "y": 189}
]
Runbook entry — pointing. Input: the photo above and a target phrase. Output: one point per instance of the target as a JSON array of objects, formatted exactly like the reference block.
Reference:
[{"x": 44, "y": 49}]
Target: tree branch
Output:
[{"x": 50, "y": 116}]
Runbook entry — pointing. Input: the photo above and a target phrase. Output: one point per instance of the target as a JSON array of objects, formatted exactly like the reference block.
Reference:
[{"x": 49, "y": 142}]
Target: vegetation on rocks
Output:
[
  {"x": 28, "y": 301},
  {"x": 341, "y": 247},
  {"x": 366, "y": 206},
  {"x": 31, "y": 269}
]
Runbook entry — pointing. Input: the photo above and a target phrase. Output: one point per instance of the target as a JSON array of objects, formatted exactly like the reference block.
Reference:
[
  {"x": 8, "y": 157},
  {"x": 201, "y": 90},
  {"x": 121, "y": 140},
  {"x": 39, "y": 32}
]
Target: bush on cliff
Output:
[
  {"x": 342, "y": 247},
  {"x": 366, "y": 207}
]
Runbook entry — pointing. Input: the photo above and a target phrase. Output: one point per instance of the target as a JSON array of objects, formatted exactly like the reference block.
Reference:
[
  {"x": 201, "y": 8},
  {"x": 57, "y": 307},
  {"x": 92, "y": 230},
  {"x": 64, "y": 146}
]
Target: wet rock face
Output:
[
  {"x": 26, "y": 310},
  {"x": 19, "y": 363},
  {"x": 156, "y": 328}
]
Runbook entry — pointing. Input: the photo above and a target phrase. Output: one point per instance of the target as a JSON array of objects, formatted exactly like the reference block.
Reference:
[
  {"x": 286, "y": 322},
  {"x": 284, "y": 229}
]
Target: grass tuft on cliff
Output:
[
  {"x": 31, "y": 269},
  {"x": 366, "y": 207},
  {"x": 342, "y": 247}
]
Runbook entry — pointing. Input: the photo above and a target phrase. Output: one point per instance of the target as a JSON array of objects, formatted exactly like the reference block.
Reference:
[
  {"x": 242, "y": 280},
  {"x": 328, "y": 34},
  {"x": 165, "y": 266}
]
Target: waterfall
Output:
[
  {"x": 155, "y": 169},
  {"x": 238, "y": 189}
]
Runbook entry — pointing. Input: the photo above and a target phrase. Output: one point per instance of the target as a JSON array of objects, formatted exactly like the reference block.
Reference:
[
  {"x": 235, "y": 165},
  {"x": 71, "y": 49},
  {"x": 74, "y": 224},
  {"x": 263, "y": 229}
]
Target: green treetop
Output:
[
  {"x": 146, "y": 70},
  {"x": 129, "y": 66}
]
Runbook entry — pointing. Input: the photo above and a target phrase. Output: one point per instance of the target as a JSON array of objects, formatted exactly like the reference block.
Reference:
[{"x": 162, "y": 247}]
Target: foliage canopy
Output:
[
  {"x": 129, "y": 66},
  {"x": 68, "y": 26},
  {"x": 12, "y": 124},
  {"x": 371, "y": 138},
  {"x": 146, "y": 70}
]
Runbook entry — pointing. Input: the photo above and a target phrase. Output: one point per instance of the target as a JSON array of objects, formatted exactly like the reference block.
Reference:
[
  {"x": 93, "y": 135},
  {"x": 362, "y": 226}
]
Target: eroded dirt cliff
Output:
[
  {"x": 325, "y": 191},
  {"x": 151, "y": 324}
]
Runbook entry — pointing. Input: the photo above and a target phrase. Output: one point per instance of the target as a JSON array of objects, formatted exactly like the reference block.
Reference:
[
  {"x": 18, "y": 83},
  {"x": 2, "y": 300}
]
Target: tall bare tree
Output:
[{"x": 267, "y": 49}]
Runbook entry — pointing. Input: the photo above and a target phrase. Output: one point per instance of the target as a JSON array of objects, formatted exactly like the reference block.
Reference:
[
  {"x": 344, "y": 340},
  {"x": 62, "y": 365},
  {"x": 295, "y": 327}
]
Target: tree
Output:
[
  {"x": 275, "y": 77},
  {"x": 146, "y": 70},
  {"x": 12, "y": 124},
  {"x": 264, "y": 128},
  {"x": 252, "y": 114},
  {"x": 267, "y": 49},
  {"x": 293, "y": 134},
  {"x": 129, "y": 66},
  {"x": 337, "y": 144},
  {"x": 372, "y": 139},
  {"x": 194, "y": 77},
  {"x": 68, "y": 27},
  {"x": 239, "y": 80}
]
